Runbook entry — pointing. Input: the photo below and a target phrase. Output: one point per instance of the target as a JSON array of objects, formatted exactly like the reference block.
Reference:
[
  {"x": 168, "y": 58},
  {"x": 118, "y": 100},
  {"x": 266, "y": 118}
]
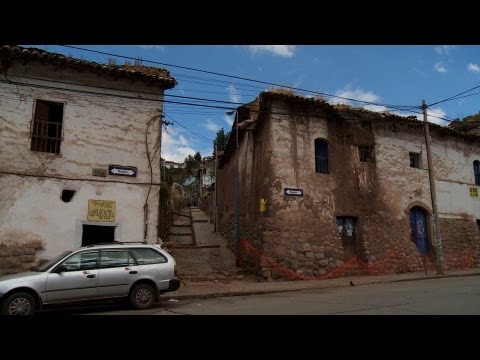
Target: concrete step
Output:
[{"x": 181, "y": 239}]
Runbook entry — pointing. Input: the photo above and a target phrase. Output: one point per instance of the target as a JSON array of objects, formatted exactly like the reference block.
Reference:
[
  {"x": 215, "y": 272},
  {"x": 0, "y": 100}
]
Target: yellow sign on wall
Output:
[
  {"x": 101, "y": 210},
  {"x": 473, "y": 192}
]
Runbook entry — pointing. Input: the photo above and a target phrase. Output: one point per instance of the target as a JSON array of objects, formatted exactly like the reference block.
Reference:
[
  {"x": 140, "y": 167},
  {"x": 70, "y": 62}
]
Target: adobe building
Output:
[
  {"x": 323, "y": 184},
  {"x": 80, "y": 151}
]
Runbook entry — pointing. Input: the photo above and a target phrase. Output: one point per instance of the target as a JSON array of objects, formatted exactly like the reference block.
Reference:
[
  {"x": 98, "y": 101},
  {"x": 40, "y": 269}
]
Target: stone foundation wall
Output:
[
  {"x": 460, "y": 243},
  {"x": 16, "y": 258}
]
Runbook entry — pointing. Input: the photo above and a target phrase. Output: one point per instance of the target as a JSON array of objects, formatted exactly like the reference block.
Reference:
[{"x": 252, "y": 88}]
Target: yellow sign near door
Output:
[
  {"x": 101, "y": 210},
  {"x": 473, "y": 192}
]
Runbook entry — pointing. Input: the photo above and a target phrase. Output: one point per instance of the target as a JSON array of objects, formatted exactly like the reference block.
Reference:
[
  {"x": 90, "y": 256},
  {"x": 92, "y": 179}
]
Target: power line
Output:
[
  {"x": 240, "y": 78},
  {"x": 454, "y": 97},
  {"x": 165, "y": 101},
  {"x": 178, "y": 102},
  {"x": 176, "y": 122}
]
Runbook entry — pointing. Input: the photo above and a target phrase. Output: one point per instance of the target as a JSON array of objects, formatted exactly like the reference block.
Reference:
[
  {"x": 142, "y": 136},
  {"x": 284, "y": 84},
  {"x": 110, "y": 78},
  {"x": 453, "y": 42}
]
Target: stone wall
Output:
[
  {"x": 298, "y": 237},
  {"x": 460, "y": 243},
  {"x": 100, "y": 128},
  {"x": 18, "y": 257}
]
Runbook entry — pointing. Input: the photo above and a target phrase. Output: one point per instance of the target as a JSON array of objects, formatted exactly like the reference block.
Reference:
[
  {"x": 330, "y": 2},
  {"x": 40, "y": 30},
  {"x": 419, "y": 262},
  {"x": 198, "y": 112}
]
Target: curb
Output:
[
  {"x": 437, "y": 277},
  {"x": 303, "y": 288}
]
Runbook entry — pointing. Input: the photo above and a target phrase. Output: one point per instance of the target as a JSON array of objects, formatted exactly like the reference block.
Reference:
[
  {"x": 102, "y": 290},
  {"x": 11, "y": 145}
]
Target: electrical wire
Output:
[
  {"x": 454, "y": 97},
  {"x": 240, "y": 78}
]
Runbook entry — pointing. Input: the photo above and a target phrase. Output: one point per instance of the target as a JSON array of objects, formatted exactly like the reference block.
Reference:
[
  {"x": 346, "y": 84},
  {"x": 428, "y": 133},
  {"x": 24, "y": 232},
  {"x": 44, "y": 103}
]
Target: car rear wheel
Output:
[
  {"x": 142, "y": 296},
  {"x": 20, "y": 303}
]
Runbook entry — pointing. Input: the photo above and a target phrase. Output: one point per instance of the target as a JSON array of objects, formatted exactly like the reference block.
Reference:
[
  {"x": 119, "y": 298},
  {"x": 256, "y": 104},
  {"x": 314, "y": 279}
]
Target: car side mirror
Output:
[{"x": 61, "y": 268}]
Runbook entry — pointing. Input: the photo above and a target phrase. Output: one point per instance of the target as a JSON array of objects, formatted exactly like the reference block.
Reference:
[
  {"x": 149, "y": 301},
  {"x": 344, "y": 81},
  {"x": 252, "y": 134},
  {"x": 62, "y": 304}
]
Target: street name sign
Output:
[
  {"x": 119, "y": 170},
  {"x": 293, "y": 192}
]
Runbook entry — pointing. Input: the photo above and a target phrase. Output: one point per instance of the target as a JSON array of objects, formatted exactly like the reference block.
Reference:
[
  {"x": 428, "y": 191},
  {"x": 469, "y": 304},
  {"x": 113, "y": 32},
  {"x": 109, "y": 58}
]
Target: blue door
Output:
[{"x": 418, "y": 229}]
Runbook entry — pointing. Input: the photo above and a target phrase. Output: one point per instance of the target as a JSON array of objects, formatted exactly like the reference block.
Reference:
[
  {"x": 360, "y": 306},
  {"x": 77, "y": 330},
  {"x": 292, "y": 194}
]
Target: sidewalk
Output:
[{"x": 239, "y": 287}]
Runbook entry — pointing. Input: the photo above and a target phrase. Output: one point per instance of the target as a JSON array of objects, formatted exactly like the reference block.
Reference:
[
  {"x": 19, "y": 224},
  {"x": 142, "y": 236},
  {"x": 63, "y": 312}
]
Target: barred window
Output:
[{"x": 47, "y": 127}]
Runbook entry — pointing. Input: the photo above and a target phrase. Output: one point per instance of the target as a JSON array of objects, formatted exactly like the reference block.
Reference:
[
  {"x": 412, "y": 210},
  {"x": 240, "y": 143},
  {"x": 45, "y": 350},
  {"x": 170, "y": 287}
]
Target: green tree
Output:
[
  {"x": 190, "y": 163},
  {"x": 221, "y": 139},
  {"x": 198, "y": 157}
]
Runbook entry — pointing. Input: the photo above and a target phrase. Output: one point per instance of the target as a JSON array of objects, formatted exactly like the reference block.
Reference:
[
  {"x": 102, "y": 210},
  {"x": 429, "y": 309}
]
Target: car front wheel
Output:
[
  {"x": 142, "y": 296},
  {"x": 20, "y": 303}
]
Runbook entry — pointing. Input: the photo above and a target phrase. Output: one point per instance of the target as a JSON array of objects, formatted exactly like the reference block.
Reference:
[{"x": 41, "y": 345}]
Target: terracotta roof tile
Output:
[{"x": 135, "y": 72}]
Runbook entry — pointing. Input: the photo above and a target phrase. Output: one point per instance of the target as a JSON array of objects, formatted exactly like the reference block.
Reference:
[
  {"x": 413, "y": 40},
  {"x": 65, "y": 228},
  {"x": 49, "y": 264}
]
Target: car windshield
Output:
[{"x": 49, "y": 263}]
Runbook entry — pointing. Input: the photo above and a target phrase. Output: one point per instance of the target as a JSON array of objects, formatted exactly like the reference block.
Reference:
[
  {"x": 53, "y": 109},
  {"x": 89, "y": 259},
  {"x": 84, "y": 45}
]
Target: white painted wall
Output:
[
  {"x": 453, "y": 164},
  {"x": 400, "y": 185},
  {"x": 98, "y": 130}
]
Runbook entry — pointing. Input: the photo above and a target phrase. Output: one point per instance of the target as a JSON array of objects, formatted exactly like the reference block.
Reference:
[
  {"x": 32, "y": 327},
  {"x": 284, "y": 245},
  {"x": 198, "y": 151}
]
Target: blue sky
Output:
[{"x": 396, "y": 74}]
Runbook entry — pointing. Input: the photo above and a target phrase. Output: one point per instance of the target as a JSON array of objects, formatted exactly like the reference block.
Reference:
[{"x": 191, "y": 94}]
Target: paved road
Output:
[{"x": 452, "y": 296}]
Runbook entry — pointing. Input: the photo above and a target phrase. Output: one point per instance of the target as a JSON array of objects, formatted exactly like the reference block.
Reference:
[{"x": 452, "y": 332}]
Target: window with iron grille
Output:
[
  {"x": 414, "y": 160},
  {"x": 365, "y": 153},
  {"x": 476, "y": 171},
  {"x": 47, "y": 127}
]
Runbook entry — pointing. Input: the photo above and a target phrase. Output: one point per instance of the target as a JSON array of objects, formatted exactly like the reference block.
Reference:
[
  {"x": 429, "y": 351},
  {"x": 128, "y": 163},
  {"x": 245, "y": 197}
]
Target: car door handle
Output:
[
  {"x": 133, "y": 272},
  {"x": 91, "y": 276}
]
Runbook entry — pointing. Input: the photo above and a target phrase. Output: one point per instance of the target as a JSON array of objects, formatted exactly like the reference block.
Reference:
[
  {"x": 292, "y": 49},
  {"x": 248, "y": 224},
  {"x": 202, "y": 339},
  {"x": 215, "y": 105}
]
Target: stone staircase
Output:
[{"x": 200, "y": 253}]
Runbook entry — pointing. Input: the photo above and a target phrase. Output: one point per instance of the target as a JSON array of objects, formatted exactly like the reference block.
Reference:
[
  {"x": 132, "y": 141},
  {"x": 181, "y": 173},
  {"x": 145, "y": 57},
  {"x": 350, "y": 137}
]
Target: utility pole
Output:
[
  {"x": 237, "y": 185},
  {"x": 431, "y": 175},
  {"x": 215, "y": 210}
]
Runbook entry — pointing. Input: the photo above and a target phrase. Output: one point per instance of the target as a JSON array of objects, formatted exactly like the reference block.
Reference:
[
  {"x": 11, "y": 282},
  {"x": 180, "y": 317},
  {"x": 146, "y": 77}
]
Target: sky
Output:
[{"x": 399, "y": 75}]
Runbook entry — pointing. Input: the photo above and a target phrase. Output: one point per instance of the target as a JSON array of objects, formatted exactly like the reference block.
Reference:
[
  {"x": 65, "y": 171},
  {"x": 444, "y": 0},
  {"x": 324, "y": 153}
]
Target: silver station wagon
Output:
[{"x": 138, "y": 272}]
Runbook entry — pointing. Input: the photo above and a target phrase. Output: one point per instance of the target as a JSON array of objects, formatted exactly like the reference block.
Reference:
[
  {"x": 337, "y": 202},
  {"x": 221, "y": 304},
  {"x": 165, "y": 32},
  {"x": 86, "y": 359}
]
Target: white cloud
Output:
[
  {"x": 229, "y": 119},
  {"x": 473, "y": 67},
  {"x": 279, "y": 50},
  {"x": 182, "y": 140},
  {"x": 175, "y": 146},
  {"x": 152, "y": 47},
  {"x": 445, "y": 49},
  {"x": 440, "y": 68},
  {"x": 358, "y": 94},
  {"x": 234, "y": 96},
  {"x": 433, "y": 116},
  {"x": 210, "y": 125}
]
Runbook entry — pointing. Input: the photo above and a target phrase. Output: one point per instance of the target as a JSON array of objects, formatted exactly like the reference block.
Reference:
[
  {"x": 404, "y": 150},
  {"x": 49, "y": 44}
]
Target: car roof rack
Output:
[{"x": 118, "y": 243}]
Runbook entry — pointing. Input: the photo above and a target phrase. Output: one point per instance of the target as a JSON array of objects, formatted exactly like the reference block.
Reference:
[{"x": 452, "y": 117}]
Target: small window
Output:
[
  {"x": 365, "y": 153},
  {"x": 321, "y": 156},
  {"x": 148, "y": 256},
  {"x": 478, "y": 224},
  {"x": 476, "y": 171},
  {"x": 47, "y": 127},
  {"x": 67, "y": 195},
  {"x": 415, "y": 160}
]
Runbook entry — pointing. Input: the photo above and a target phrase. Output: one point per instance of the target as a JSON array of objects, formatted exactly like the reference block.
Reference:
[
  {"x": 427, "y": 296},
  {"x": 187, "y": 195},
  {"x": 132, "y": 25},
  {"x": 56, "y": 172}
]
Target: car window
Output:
[
  {"x": 53, "y": 261},
  {"x": 82, "y": 261},
  {"x": 148, "y": 256},
  {"x": 115, "y": 258}
]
